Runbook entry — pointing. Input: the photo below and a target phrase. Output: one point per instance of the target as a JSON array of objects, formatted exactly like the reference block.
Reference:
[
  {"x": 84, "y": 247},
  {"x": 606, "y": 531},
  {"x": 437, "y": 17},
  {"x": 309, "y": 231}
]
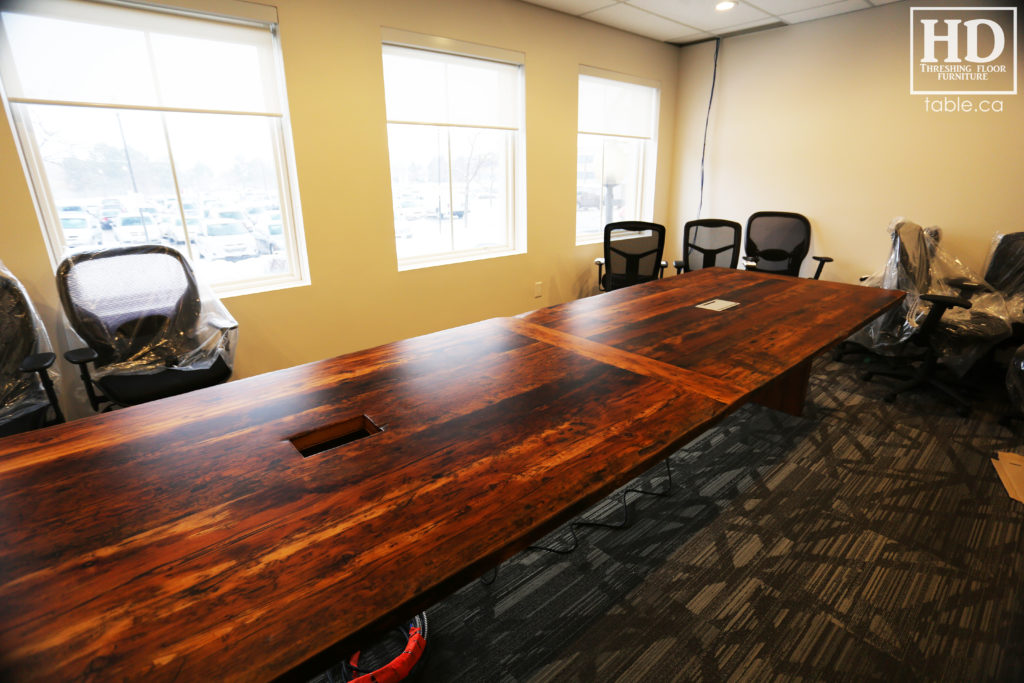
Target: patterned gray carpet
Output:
[{"x": 864, "y": 540}]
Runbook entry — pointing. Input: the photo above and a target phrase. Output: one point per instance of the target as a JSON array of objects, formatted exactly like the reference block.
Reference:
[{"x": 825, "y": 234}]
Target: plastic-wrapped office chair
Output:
[
  {"x": 1004, "y": 271},
  {"x": 922, "y": 333},
  {"x": 148, "y": 327},
  {"x": 27, "y": 393},
  {"x": 778, "y": 242},
  {"x": 631, "y": 258},
  {"x": 709, "y": 242}
]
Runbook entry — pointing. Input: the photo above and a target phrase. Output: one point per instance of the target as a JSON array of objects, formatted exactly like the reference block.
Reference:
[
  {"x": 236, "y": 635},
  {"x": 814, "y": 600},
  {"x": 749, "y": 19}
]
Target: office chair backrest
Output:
[
  {"x": 17, "y": 341},
  {"x": 778, "y": 241},
  {"x": 128, "y": 301},
  {"x": 1005, "y": 271},
  {"x": 914, "y": 248},
  {"x": 630, "y": 256},
  {"x": 27, "y": 391},
  {"x": 709, "y": 242}
]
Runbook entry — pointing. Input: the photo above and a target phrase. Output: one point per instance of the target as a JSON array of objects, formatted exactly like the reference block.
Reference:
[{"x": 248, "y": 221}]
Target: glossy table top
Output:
[{"x": 188, "y": 539}]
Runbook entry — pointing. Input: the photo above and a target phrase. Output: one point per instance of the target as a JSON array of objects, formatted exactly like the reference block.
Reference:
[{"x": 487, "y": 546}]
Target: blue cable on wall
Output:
[{"x": 707, "y": 119}]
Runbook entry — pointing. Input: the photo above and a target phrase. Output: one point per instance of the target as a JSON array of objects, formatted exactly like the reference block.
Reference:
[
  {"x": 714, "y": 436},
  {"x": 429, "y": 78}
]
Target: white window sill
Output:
[{"x": 451, "y": 258}]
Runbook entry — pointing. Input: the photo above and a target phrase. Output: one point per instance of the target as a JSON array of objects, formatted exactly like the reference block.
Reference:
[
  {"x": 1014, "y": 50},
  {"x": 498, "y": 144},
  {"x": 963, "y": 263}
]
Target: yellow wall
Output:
[
  {"x": 332, "y": 57},
  {"x": 817, "y": 118}
]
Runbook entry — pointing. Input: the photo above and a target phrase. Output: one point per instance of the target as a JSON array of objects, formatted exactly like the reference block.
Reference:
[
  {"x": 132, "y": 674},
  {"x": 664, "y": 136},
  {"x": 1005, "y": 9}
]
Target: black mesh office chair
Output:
[
  {"x": 709, "y": 242},
  {"x": 27, "y": 395},
  {"x": 148, "y": 331},
  {"x": 1005, "y": 273},
  {"x": 778, "y": 242},
  {"x": 630, "y": 256}
]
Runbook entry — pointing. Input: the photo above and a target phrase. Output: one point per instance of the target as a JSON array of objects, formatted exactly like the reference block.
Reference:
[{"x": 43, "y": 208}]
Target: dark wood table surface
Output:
[{"x": 189, "y": 539}]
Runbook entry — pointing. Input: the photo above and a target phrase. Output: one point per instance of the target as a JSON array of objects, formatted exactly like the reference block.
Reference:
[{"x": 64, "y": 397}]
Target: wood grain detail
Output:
[
  {"x": 186, "y": 539},
  {"x": 708, "y": 386}
]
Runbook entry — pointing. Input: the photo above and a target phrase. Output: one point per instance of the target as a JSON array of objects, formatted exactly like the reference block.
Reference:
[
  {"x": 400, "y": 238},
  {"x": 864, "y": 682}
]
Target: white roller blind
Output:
[
  {"x": 431, "y": 87},
  {"x": 610, "y": 107},
  {"x": 88, "y": 53}
]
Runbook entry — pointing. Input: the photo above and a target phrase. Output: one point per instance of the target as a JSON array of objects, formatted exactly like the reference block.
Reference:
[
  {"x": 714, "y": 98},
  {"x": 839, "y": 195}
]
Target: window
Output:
[
  {"x": 615, "y": 155},
  {"x": 455, "y": 140},
  {"x": 157, "y": 127}
]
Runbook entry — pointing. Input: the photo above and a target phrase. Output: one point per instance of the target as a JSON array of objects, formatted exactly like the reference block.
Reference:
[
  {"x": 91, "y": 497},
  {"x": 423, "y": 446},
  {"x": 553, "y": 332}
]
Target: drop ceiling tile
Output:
[
  {"x": 825, "y": 11},
  {"x": 700, "y": 14},
  {"x": 778, "y": 7},
  {"x": 576, "y": 7},
  {"x": 749, "y": 24},
  {"x": 692, "y": 36},
  {"x": 637, "y": 21}
]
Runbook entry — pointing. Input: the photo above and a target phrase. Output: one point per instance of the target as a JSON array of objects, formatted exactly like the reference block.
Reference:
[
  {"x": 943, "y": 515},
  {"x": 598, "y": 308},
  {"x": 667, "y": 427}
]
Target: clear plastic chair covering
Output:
[
  {"x": 918, "y": 265},
  {"x": 21, "y": 335},
  {"x": 142, "y": 310},
  {"x": 1004, "y": 270}
]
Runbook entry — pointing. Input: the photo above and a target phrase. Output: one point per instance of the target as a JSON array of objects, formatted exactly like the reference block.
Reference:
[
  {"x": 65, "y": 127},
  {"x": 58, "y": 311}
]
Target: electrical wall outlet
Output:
[{"x": 538, "y": 290}]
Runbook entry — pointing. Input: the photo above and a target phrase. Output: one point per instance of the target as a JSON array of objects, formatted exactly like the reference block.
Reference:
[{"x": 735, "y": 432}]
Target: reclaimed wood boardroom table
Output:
[{"x": 233, "y": 533}]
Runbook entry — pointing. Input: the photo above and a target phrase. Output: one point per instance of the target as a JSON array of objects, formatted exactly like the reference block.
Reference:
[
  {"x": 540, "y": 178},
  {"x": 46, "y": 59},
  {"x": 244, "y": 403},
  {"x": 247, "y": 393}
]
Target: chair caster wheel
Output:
[{"x": 890, "y": 398}]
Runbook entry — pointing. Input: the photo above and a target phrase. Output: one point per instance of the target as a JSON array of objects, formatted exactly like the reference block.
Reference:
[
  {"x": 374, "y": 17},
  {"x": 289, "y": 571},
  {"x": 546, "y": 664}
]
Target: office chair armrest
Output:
[
  {"x": 664, "y": 265},
  {"x": 81, "y": 356},
  {"x": 749, "y": 261},
  {"x": 37, "y": 362},
  {"x": 965, "y": 285},
  {"x": 946, "y": 301},
  {"x": 822, "y": 260},
  {"x": 678, "y": 265},
  {"x": 599, "y": 262}
]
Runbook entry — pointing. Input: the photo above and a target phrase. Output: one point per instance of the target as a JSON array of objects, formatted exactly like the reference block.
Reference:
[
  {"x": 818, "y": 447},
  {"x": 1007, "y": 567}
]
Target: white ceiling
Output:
[{"x": 689, "y": 21}]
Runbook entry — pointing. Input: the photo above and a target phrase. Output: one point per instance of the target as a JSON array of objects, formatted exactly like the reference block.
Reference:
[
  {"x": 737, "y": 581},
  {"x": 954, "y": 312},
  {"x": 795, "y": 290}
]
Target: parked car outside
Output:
[
  {"x": 135, "y": 230},
  {"x": 226, "y": 240},
  {"x": 222, "y": 215},
  {"x": 269, "y": 237},
  {"x": 171, "y": 230},
  {"x": 109, "y": 217},
  {"x": 80, "y": 230}
]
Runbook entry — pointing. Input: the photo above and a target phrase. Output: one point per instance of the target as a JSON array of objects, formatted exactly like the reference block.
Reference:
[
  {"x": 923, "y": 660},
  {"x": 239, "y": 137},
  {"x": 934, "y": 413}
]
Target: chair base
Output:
[{"x": 914, "y": 378}]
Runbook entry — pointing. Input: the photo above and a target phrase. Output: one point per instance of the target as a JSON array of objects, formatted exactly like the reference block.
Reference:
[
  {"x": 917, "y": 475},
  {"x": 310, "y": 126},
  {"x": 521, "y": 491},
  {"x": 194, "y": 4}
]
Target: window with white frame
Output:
[
  {"x": 616, "y": 153},
  {"x": 455, "y": 141},
  {"x": 140, "y": 125}
]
